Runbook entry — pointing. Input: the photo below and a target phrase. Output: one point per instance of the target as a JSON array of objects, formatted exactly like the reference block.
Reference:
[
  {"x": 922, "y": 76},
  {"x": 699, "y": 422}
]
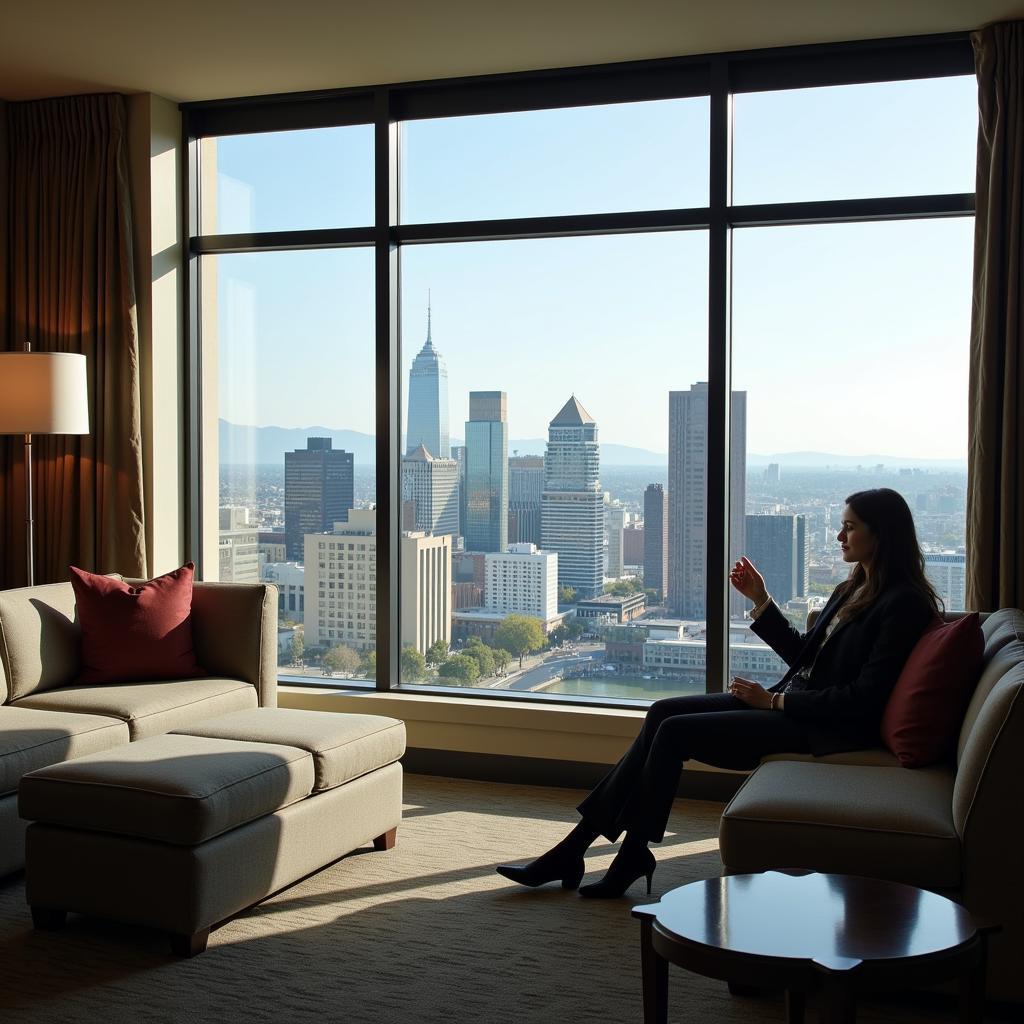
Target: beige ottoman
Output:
[{"x": 181, "y": 831}]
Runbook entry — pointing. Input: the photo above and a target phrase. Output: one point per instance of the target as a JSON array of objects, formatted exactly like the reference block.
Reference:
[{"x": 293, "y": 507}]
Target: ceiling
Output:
[{"x": 206, "y": 49}]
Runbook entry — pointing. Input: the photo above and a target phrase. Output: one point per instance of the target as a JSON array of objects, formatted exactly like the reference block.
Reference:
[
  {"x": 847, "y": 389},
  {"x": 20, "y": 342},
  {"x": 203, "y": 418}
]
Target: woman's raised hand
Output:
[{"x": 748, "y": 581}]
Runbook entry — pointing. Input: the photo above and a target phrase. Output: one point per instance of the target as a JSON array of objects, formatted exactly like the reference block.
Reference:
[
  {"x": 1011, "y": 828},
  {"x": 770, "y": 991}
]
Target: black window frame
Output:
[{"x": 719, "y": 76}]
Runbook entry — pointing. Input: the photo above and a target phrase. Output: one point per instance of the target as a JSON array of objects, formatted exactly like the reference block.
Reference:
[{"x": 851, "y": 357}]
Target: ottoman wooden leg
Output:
[
  {"x": 190, "y": 945},
  {"x": 46, "y": 920},
  {"x": 386, "y": 841}
]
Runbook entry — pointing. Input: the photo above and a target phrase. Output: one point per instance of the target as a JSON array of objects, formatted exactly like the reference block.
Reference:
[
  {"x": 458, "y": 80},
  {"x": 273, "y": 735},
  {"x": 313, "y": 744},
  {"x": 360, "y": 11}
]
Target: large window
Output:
[{"x": 465, "y": 356}]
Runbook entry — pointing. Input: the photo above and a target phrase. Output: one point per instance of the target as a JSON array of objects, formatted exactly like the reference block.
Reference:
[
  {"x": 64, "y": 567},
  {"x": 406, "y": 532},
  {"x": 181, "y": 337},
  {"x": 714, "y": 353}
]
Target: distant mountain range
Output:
[{"x": 244, "y": 444}]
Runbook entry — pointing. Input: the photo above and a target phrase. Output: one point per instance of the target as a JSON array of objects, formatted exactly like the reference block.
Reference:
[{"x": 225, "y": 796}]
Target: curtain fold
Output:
[
  {"x": 71, "y": 289},
  {"x": 995, "y": 510}
]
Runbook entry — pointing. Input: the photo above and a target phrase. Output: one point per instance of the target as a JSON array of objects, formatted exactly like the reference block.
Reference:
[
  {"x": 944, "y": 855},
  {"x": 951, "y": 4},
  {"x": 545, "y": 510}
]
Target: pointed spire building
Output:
[{"x": 427, "y": 422}]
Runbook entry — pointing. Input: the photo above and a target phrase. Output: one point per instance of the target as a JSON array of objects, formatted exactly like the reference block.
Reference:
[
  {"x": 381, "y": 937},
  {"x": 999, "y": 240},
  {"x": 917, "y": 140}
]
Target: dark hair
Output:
[{"x": 897, "y": 558}]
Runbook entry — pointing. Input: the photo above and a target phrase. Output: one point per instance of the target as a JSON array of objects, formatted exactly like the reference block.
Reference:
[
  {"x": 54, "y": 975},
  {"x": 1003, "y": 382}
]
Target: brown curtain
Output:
[
  {"x": 995, "y": 485},
  {"x": 71, "y": 289}
]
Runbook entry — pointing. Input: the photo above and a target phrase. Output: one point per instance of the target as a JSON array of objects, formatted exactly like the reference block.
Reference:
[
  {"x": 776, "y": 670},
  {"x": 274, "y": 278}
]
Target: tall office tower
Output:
[
  {"x": 656, "y": 539},
  {"x": 773, "y": 545},
  {"x": 431, "y": 487},
  {"x": 522, "y": 581},
  {"x": 428, "y": 402},
  {"x": 486, "y": 525},
  {"x": 426, "y": 589},
  {"x": 687, "y": 506},
  {"x": 318, "y": 491},
  {"x": 572, "y": 506},
  {"x": 633, "y": 545},
  {"x": 947, "y": 571},
  {"x": 341, "y": 583},
  {"x": 525, "y": 488},
  {"x": 771, "y": 474},
  {"x": 459, "y": 455},
  {"x": 803, "y": 557},
  {"x": 238, "y": 546},
  {"x": 615, "y": 517}
]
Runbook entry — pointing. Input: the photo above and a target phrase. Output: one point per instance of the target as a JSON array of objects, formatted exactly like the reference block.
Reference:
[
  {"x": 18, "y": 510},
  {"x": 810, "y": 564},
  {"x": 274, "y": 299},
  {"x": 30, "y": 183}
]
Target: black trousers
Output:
[{"x": 715, "y": 728}]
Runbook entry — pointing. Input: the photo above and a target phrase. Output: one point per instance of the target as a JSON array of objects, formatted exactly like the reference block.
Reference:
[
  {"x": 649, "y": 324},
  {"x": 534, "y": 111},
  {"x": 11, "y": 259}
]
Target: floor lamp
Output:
[{"x": 41, "y": 393}]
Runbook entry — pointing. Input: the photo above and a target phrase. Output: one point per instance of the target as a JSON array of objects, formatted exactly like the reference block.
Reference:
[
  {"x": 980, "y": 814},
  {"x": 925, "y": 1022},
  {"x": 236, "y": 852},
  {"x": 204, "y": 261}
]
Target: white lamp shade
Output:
[{"x": 43, "y": 393}]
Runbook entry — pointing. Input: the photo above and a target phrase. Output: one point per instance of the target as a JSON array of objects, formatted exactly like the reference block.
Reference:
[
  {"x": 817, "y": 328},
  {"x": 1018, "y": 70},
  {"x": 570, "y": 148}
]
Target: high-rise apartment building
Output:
[
  {"x": 318, "y": 491},
  {"x": 341, "y": 584},
  {"x": 773, "y": 545},
  {"x": 427, "y": 422},
  {"x": 238, "y": 547},
  {"x": 459, "y": 455},
  {"x": 947, "y": 571},
  {"x": 426, "y": 588},
  {"x": 572, "y": 508},
  {"x": 486, "y": 517},
  {"x": 616, "y": 516},
  {"x": 633, "y": 545},
  {"x": 656, "y": 539},
  {"x": 803, "y": 557},
  {"x": 525, "y": 488},
  {"x": 522, "y": 581},
  {"x": 431, "y": 486},
  {"x": 688, "y": 488}
]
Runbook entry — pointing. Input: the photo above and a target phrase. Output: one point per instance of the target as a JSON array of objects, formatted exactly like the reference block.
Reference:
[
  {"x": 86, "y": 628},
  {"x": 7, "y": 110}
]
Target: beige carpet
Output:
[{"x": 425, "y": 932}]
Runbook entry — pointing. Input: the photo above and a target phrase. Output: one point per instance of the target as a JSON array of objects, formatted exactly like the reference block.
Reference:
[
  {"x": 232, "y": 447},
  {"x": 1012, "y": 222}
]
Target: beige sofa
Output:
[
  {"x": 45, "y": 718},
  {"x": 955, "y": 828}
]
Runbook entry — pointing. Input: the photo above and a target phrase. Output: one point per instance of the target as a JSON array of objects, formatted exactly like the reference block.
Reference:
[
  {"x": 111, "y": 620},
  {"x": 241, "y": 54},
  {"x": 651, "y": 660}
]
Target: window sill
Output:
[{"x": 552, "y": 733}]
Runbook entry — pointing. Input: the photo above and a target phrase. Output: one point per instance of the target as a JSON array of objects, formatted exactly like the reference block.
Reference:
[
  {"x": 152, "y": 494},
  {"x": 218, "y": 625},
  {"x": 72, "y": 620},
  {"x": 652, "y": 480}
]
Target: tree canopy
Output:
[
  {"x": 437, "y": 652},
  {"x": 460, "y": 668},
  {"x": 520, "y": 634},
  {"x": 414, "y": 665},
  {"x": 341, "y": 659}
]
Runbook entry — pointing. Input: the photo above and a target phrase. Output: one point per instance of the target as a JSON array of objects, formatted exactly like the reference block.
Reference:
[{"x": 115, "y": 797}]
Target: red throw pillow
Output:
[
  {"x": 922, "y": 720},
  {"x": 131, "y": 633}
]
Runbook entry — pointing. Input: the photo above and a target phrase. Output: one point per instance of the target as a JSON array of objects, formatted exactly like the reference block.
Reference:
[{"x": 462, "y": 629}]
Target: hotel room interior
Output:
[{"x": 249, "y": 218}]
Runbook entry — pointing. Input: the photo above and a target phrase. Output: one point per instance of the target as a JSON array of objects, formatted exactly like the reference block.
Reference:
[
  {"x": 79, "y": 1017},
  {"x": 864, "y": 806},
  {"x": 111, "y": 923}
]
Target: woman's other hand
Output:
[
  {"x": 752, "y": 694},
  {"x": 748, "y": 581}
]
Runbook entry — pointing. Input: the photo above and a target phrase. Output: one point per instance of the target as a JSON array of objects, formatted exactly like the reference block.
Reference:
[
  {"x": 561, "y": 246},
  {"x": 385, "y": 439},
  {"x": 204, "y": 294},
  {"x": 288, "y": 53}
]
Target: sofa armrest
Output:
[{"x": 234, "y": 629}]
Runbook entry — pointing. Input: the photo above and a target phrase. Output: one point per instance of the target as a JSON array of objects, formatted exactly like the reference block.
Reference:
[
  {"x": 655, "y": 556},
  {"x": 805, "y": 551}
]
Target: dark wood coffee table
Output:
[{"x": 804, "y": 932}]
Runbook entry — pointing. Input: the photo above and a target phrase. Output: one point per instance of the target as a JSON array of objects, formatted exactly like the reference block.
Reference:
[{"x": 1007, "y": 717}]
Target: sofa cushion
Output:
[
  {"x": 925, "y": 710},
  {"x": 39, "y": 638},
  {"x": 135, "y": 631},
  {"x": 175, "y": 789},
  {"x": 1002, "y": 627},
  {"x": 31, "y": 739},
  {"x": 878, "y": 757},
  {"x": 150, "y": 708},
  {"x": 848, "y": 819},
  {"x": 343, "y": 747}
]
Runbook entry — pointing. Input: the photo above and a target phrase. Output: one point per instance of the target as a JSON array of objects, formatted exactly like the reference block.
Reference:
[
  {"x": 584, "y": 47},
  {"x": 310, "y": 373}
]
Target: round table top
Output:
[{"x": 834, "y": 920}]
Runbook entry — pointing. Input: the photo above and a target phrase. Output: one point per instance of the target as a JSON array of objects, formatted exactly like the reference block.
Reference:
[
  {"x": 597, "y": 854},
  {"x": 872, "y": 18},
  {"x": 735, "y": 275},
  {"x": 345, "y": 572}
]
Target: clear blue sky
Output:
[{"x": 848, "y": 338}]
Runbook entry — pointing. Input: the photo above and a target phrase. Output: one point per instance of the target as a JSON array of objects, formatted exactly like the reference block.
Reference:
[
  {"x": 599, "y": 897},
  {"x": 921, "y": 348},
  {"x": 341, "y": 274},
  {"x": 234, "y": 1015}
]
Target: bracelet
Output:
[{"x": 775, "y": 697}]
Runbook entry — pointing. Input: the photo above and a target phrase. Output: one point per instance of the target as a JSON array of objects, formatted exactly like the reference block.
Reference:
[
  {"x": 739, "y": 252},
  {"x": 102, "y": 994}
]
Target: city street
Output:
[{"x": 550, "y": 668}]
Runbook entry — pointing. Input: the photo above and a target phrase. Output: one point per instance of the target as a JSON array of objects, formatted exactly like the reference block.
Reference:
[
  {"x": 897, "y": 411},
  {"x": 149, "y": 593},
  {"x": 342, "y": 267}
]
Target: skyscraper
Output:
[
  {"x": 572, "y": 507},
  {"x": 615, "y": 517},
  {"x": 432, "y": 486},
  {"x": 525, "y": 487},
  {"x": 486, "y": 506},
  {"x": 318, "y": 491},
  {"x": 687, "y": 497},
  {"x": 656, "y": 539},
  {"x": 803, "y": 558},
  {"x": 428, "y": 402},
  {"x": 773, "y": 545}
]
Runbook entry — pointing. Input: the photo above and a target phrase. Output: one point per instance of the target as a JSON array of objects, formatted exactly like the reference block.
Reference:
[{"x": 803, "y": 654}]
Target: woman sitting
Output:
[{"x": 841, "y": 673}]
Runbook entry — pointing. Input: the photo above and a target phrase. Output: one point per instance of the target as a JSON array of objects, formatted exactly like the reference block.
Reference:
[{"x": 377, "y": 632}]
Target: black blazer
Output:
[{"x": 842, "y": 702}]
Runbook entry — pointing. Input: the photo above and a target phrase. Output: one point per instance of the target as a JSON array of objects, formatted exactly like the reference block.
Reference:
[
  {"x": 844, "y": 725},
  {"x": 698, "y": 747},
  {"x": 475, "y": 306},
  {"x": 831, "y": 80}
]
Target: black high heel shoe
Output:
[
  {"x": 549, "y": 867},
  {"x": 621, "y": 874}
]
